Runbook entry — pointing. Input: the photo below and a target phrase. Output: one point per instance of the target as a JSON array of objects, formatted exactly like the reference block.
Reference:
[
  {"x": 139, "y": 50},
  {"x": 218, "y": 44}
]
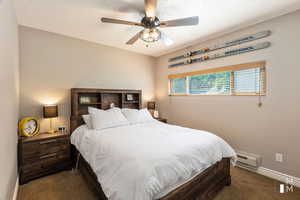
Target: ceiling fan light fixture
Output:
[
  {"x": 151, "y": 23},
  {"x": 151, "y": 35}
]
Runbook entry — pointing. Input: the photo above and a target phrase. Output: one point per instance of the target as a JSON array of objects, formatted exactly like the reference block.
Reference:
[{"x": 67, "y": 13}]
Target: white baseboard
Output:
[
  {"x": 15, "y": 195},
  {"x": 278, "y": 176},
  {"x": 275, "y": 175}
]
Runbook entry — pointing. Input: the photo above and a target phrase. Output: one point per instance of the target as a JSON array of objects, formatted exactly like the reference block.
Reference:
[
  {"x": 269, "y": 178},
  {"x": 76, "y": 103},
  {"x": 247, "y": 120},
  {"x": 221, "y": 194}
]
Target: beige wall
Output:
[
  {"x": 51, "y": 64},
  {"x": 9, "y": 87},
  {"x": 272, "y": 128}
]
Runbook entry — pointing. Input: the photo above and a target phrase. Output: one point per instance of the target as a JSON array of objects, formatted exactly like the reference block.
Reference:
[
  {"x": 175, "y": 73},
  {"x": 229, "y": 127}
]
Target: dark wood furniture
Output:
[
  {"x": 162, "y": 120},
  {"x": 204, "y": 186},
  {"x": 100, "y": 98},
  {"x": 43, "y": 154}
]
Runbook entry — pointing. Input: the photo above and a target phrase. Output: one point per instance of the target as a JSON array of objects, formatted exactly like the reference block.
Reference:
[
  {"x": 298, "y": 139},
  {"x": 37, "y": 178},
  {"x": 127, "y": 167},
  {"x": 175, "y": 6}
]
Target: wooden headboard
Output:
[{"x": 81, "y": 99}]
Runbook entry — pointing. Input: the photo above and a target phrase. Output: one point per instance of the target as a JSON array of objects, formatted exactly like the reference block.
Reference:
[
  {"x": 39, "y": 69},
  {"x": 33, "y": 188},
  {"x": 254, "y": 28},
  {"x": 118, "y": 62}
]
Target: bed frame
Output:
[{"x": 204, "y": 186}]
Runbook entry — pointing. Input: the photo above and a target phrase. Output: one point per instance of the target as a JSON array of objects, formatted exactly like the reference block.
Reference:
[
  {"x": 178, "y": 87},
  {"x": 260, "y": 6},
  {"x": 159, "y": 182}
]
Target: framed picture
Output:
[
  {"x": 129, "y": 97},
  {"x": 84, "y": 100}
]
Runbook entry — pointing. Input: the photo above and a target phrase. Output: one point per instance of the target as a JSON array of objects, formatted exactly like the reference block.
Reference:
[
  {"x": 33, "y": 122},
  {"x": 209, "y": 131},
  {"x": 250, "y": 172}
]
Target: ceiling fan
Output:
[{"x": 151, "y": 24}]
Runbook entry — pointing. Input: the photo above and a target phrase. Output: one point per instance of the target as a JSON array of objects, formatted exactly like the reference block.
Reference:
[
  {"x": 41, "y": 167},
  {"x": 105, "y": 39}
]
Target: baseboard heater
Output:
[{"x": 248, "y": 160}]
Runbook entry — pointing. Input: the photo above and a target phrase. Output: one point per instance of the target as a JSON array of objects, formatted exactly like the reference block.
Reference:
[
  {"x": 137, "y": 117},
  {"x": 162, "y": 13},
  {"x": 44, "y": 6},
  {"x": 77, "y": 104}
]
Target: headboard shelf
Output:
[
  {"x": 82, "y": 98},
  {"x": 92, "y": 103},
  {"x": 130, "y": 102}
]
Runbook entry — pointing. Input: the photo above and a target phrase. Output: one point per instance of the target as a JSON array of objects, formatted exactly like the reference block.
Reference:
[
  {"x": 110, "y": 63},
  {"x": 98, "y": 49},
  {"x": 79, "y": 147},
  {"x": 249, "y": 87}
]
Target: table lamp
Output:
[
  {"x": 50, "y": 111},
  {"x": 151, "y": 107}
]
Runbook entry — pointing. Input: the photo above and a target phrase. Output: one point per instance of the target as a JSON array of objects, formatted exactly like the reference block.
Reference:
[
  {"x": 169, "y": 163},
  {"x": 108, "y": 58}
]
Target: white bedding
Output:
[{"x": 146, "y": 161}]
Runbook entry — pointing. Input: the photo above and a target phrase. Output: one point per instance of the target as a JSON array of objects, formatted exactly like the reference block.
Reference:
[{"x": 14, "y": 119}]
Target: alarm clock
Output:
[{"x": 29, "y": 127}]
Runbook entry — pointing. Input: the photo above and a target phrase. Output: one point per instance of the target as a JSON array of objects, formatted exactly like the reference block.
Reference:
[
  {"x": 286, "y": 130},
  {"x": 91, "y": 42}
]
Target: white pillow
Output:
[
  {"x": 137, "y": 116},
  {"x": 102, "y": 119},
  {"x": 88, "y": 121},
  {"x": 92, "y": 110}
]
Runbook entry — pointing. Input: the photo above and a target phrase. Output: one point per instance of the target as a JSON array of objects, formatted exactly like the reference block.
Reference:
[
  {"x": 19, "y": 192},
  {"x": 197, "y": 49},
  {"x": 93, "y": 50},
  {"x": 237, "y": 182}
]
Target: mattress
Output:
[{"x": 147, "y": 161}]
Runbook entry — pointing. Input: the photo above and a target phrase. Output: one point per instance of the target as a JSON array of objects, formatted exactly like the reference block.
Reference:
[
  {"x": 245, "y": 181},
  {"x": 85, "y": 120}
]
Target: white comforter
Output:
[{"x": 143, "y": 161}]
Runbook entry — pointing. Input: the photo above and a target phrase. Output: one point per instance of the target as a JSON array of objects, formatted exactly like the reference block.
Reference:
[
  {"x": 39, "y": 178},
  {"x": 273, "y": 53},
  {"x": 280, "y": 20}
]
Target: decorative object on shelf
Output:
[
  {"x": 88, "y": 99},
  {"x": 50, "y": 111},
  {"x": 84, "y": 100},
  {"x": 230, "y": 52},
  {"x": 29, "y": 127},
  {"x": 224, "y": 45},
  {"x": 129, "y": 97}
]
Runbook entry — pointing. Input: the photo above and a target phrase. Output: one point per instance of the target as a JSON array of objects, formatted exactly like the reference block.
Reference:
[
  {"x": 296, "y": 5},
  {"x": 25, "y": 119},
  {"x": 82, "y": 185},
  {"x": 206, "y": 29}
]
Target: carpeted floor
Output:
[{"x": 71, "y": 186}]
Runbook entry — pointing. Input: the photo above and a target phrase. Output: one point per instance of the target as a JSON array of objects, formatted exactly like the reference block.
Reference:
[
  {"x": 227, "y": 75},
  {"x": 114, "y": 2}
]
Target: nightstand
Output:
[
  {"x": 43, "y": 154},
  {"x": 162, "y": 120}
]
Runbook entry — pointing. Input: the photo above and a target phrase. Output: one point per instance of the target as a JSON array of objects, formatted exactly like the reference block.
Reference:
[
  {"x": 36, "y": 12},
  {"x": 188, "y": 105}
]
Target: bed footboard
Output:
[{"x": 205, "y": 186}]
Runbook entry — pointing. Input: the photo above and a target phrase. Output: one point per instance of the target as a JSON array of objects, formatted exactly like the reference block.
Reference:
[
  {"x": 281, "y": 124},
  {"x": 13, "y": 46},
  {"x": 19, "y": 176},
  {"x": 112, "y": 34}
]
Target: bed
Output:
[{"x": 146, "y": 161}]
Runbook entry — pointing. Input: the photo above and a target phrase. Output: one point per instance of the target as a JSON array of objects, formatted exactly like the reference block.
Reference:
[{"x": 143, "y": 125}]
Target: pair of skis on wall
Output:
[
  {"x": 221, "y": 46},
  {"x": 223, "y": 54}
]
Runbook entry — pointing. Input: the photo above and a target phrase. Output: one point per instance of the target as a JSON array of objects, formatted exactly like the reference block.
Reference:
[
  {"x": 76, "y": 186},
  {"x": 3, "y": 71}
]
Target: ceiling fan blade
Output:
[
  {"x": 190, "y": 21},
  {"x": 134, "y": 38},
  {"x": 150, "y": 8},
  {"x": 118, "y": 21},
  {"x": 166, "y": 40}
]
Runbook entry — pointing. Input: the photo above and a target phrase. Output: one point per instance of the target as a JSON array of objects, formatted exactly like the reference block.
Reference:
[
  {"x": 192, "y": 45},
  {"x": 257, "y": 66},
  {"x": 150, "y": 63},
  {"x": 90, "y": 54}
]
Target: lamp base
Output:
[
  {"x": 51, "y": 131},
  {"x": 151, "y": 111}
]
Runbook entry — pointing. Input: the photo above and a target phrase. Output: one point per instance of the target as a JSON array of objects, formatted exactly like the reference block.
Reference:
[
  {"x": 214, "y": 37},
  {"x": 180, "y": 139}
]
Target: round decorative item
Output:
[{"x": 29, "y": 127}]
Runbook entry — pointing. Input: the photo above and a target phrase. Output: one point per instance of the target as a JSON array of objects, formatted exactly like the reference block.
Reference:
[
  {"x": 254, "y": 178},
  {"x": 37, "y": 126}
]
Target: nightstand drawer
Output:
[
  {"x": 45, "y": 161},
  {"x": 36, "y": 149},
  {"x": 43, "y": 168},
  {"x": 43, "y": 155}
]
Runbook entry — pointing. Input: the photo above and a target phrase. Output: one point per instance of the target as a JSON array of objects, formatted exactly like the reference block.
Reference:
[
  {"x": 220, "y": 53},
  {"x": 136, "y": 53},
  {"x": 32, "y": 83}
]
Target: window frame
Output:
[{"x": 231, "y": 69}]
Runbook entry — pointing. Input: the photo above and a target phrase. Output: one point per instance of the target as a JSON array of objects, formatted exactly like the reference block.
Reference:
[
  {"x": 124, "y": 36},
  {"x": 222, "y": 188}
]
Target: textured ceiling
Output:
[{"x": 81, "y": 19}]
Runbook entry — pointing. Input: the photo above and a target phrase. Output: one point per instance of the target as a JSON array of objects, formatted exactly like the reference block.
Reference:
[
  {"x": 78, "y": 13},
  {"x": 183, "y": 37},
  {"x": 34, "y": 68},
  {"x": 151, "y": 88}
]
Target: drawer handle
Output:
[
  {"x": 48, "y": 141},
  {"x": 48, "y": 156}
]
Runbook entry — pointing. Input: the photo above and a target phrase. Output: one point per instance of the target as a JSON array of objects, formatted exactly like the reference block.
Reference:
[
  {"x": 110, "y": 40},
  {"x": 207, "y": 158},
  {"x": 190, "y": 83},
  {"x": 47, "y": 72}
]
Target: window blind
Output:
[
  {"x": 243, "y": 79},
  {"x": 249, "y": 81}
]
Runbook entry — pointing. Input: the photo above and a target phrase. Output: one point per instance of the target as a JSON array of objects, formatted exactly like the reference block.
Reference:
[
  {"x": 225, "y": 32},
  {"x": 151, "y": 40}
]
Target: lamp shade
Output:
[
  {"x": 151, "y": 105},
  {"x": 50, "y": 111}
]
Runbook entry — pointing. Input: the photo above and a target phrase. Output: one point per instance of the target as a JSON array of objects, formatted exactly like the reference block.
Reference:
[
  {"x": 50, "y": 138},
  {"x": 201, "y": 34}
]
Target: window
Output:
[
  {"x": 215, "y": 83},
  {"x": 178, "y": 85},
  {"x": 244, "y": 79}
]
